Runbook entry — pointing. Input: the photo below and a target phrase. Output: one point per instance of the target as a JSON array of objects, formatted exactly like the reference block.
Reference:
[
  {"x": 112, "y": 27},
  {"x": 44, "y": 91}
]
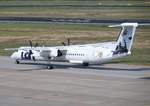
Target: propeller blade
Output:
[
  {"x": 36, "y": 44},
  {"x": 63, "y": 43},
  {"x": 30, "y": 42},
  {"x": 68, "y": 41}
]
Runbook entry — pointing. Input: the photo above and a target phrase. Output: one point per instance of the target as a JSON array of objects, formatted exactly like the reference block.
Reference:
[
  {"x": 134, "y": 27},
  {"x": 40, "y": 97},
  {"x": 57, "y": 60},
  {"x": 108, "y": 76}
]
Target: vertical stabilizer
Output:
[{"x": 125, "y": 40}]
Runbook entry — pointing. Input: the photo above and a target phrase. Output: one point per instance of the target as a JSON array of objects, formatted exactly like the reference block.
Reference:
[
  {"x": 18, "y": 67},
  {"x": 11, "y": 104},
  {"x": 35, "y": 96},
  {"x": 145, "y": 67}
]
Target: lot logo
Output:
[{"x": 26, "y": 55}]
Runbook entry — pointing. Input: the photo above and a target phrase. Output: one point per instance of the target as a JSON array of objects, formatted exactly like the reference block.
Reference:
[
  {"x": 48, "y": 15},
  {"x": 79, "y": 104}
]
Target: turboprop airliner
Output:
[{"x": 85, "y": 54}]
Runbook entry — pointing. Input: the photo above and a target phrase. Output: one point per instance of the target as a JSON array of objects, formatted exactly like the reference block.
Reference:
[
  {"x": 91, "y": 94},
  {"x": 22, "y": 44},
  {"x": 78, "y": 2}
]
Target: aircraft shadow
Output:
[{"x": 92, "y": 67}]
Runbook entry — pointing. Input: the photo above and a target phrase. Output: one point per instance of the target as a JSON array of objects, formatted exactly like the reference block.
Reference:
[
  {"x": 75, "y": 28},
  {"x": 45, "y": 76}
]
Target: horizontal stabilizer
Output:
[{"x": 125, "y": 24}]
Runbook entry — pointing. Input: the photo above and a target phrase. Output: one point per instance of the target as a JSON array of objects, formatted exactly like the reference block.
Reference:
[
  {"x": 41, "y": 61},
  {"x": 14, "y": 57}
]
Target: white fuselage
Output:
[{"x": 88, "y": 53}]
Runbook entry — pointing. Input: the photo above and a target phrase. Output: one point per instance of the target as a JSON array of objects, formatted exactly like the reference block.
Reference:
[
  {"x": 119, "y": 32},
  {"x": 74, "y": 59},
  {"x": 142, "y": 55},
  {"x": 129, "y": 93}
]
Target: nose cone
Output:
[{"x": 14, "y": 55}]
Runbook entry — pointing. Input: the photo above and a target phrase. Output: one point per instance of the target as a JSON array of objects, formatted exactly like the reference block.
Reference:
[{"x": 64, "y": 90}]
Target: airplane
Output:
[{"x": 85, "y": 54}]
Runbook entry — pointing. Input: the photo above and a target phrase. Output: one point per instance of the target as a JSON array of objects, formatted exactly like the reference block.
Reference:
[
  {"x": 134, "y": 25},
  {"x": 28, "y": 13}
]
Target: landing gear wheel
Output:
[
  {"x": 50, "y": 67},
  {"x": 17, "y": 61},
  {"x": 85, "y": 64}
]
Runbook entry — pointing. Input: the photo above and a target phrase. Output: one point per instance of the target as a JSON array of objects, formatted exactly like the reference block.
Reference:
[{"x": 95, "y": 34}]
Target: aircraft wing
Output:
[
  {"x": 52, "y": 52},
  {"x": 11, "y": 49},
  {"x": 45, "y": 53}
]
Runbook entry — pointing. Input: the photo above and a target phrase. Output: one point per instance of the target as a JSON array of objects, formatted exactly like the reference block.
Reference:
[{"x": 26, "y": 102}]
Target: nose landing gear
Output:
[
  {"x": 85, "y": 64},
  {"x": 17, "y": 61}
]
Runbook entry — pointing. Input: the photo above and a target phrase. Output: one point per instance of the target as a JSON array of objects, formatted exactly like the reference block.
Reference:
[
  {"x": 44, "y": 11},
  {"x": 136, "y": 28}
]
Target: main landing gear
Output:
[
  {"x": 50, "y": 67},
  {"x": 85, "y": 64},
  {"x": 49, "y": 62},
  {"x": 17, "y": 61}
]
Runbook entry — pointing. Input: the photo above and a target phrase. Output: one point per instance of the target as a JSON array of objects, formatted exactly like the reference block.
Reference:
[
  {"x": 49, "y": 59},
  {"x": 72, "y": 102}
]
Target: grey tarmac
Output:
[{"x": 73, "y": 85}]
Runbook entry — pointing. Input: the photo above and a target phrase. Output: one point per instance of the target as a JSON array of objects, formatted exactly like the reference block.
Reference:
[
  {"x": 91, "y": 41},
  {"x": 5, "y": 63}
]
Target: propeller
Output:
[
  {"x": 31, "y": 53},
  {"x": 68, "y": 42},
  {"x": 31, "y": 44},
  {"x": 36, "y": 44},
  {"x": 63, "y": 43}
]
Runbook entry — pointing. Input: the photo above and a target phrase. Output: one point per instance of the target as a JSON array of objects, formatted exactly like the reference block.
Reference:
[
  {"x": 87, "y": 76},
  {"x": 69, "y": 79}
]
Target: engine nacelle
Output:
[
  {"x": 55, "y": 52},
  {"x": 52, "y": 52}
]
